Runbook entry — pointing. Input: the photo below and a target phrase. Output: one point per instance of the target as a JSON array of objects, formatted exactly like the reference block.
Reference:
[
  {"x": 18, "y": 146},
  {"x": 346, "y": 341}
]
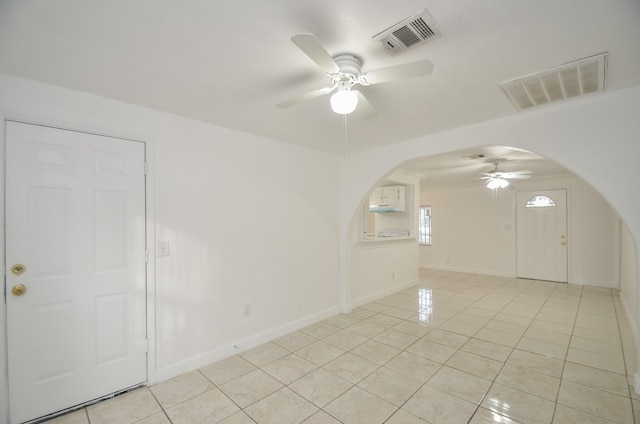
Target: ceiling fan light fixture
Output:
[
  {"x": 344, "y": 102},
  {"x": 495, "y": 183}
]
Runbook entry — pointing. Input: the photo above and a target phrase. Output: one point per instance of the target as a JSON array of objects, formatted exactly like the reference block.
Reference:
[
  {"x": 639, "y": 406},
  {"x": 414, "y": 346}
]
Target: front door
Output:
[
  {"x": 541, "y": 221},
  {"x": 75, "y": 267}
]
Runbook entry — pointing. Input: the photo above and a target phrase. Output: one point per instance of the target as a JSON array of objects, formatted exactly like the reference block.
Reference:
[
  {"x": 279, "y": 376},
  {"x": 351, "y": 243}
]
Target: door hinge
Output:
[
  {"x": 146, "y": 168},
  {"x": 147, "y": 345},
  {"x": 146, "y": 256}
]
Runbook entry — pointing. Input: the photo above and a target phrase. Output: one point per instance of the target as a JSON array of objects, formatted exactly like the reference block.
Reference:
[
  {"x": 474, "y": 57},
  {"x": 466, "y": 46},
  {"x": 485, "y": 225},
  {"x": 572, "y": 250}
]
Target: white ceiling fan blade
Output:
[
  {"x": 512, "y": 176},
  {"x": 408, "y": 70},
  {"x": 364, "y": 109},
  {"x": 304, "y": 97},
  {"x": 310, "y": 45}
]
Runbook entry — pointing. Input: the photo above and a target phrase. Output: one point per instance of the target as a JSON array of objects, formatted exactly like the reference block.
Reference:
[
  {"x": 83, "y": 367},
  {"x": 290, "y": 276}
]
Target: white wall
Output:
[
  {"x": 380, "y": 268},
  {"x": 474, "y": 230},
  {"x": 629, "y": 277},
  {"x": 249, "y": 221}
]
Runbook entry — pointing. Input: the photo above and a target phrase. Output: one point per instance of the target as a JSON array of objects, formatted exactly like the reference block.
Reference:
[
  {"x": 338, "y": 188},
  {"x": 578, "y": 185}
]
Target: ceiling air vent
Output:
[
  {"x": 409, "y": 33},
  {"x": 571, "y": 80}
]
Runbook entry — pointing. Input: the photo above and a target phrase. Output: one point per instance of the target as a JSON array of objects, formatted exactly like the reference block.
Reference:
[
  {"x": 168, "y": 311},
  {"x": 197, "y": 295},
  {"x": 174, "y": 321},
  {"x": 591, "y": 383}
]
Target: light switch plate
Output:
[{"x": 163, "y": 248}]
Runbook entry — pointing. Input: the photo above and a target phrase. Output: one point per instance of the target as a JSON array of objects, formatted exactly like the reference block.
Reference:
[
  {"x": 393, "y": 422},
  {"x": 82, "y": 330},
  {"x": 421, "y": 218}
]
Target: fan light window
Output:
[
  {"x": 540, "y": 202},
  {"x": 344, "y": 102}
]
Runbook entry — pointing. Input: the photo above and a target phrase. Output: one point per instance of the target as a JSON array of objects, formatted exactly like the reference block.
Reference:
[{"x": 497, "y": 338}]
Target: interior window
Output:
[
  {"x": 424, "y": 225},
  {"x": 540, "y": 202}
]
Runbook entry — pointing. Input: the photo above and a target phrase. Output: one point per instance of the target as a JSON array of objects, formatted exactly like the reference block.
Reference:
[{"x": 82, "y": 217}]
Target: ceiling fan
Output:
[
  {"x": 344, "y": 72},
  {"x": 498, "y": 179}
]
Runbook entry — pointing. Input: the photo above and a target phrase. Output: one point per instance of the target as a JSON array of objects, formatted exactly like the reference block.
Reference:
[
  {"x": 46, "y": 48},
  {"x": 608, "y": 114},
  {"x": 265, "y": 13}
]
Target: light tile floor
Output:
[{"x": 456, "y": 348}]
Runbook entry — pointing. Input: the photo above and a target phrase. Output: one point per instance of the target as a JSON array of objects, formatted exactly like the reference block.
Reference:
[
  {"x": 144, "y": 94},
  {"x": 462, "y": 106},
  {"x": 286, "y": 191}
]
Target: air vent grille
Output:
[
  {"x": 409, "y": 33},
  {"x": 574, "y": 79}
]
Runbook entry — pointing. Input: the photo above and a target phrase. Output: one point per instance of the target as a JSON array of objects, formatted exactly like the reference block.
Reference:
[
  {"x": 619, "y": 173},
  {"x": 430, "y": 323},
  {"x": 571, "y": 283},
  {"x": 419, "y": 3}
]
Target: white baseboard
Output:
[
  {"x": 214, "y": 355},
  {"x": 384, "y": 293},
  {"x": 468, "y": 270}
]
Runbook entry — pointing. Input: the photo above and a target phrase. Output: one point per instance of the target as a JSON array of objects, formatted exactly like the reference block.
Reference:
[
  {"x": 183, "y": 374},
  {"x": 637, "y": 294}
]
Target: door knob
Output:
[
  {"x": 19, "y": 290},
  {"x": 18, "y": 269},
  {"x": 563, "y": 242}
]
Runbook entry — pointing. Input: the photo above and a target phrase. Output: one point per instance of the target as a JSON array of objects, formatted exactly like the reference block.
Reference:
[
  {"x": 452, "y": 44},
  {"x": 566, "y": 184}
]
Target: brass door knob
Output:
[
  {"x": 18, "y": 269},
  {"x": 19, "y": 290},
  {"x": 563, "y": 242}
]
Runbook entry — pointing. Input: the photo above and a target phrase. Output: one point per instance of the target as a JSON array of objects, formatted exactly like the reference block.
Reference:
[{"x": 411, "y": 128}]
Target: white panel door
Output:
[
  {"x": 75, "y": 221},
  {"x": 542, "y": 235}
]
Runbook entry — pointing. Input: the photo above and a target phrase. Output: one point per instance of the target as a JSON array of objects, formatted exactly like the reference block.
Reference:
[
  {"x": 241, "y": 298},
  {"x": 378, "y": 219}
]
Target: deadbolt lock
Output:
[
  {"x": 19, "y": 290},
  {"x": 18, "y": 269}
]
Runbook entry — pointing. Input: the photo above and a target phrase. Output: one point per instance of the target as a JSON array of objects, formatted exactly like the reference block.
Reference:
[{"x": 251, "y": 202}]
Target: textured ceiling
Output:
[{"x": 229, "y": 63}]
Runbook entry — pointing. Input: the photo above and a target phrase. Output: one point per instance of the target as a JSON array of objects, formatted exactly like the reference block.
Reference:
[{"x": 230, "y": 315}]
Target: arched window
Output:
[{"x": 540, "y": 202}]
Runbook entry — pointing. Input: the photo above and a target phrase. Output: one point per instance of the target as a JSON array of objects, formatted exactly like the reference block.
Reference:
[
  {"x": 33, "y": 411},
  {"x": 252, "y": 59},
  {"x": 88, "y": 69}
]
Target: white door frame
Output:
[
  {"x": 567, "y": 220},
  {"x": 150, "y": 241}
]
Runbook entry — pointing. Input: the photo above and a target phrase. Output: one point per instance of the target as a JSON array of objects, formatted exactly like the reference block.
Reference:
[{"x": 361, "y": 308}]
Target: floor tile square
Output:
[
  {"x": 413, "y": 366},
  {"x": 542, "y": 348},
  {"x": 447, "y": 338},
  {"x": 320, "y": 387},
  {"x": 475, "y": 364},
  {"x": 487, "y": 349},
  {"x": 537, "y": 363},
  {"x": 596, "y": 360},
  {"x": 180, "y": 388},
  {"x": 360, "y": 407},
  {"x": 320, "y": 353},
  {"x": 397, "y": 339},
  {"x": 251, "y": 388},
  {"x": 289, "y": 368},
  {"x": 320, "y": 330},
  {"x": 321, "y": 417},
  {"x": 376, "y": 352},
  {"x": 523, "y": 379},
  {"x": 518, "y": 405},
  {"x": 435, "y": 406},
  {"x": 211, "y": 406},
  {"x": 281, "y": 407},
  {"x": 566, "y": 415},
  {"x": 595, "y": 402},
  {"x": 411, "y": 328},
  {"x": 345, "y": 340},
  {"x": 227, "y": 369},
  {"x": 294, "y": 341},
  {"x": 265, "y": 353},
  {"x": 431, "y": 350},
  {"x": 460, "y": 384},
  {"x": 484, "y": 416},
  {"x": 596, "y": 378},
  {"x": 390, "y": 386},
  {"x": 125, "y": 409},
  {"x": 351, "y": 367},
  {"x": 366, "y": 328},
  {"x": 498, "y": 337}
]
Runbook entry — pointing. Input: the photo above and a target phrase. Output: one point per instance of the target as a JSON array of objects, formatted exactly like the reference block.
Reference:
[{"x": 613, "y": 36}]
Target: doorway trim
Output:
[
  {"x": 567, "y": 224},
  {"x": 150, "y": 239}
]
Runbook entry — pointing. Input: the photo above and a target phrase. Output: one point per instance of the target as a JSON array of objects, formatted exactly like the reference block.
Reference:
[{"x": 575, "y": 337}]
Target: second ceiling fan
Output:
[
  {"x": 498, "y": 179},
  {"x": 344, "y": 72}
]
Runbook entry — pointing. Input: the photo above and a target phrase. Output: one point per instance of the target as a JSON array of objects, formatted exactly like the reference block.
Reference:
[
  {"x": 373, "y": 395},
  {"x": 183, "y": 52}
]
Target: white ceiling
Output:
[
  {"x": 466, "y": 168},
  {"x": 229, "y": 63}
]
